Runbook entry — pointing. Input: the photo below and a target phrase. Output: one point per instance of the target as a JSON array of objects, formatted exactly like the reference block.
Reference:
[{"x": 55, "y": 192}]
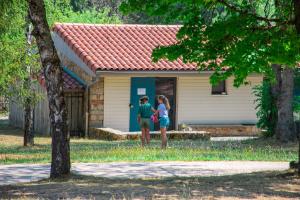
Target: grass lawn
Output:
[
  {"x": 83, "y": 150},
  {"x": 267, "y": 185}
]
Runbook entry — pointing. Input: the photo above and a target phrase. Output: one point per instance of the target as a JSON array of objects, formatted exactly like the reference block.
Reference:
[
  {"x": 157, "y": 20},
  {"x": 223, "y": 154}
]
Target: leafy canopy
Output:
[
  {"x": 241, "y": 36},
  {"x": 63, "y": 11},
  {"x": 12, "y": 40},
  {"x": 14, "y": 58}
]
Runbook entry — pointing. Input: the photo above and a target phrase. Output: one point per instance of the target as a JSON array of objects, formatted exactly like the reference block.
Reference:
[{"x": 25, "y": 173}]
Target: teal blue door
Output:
[{"x": 140, "y": 87}]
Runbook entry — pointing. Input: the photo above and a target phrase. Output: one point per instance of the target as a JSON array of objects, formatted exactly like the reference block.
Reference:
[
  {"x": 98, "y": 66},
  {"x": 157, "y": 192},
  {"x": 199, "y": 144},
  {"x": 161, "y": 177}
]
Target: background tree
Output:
[
  {"x": 63, "y": 11},
  {"x": 18, "y": 62},
  {"x": 112, "y": 6}
]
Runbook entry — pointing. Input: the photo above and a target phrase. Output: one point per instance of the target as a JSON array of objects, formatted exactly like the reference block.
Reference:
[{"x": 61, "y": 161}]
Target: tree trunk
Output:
[
  {"x": 285, "y": 130},
  {"x": 28, "y": 132},
  {"x": 297, "y": 25},
  {"x": 283, "y": 93},
  {"x": 28, "y": 107},
  {"x": 28, "y": 118},
  {"x": 275, "y": 92},
  {"x": 60, "y": 164}
]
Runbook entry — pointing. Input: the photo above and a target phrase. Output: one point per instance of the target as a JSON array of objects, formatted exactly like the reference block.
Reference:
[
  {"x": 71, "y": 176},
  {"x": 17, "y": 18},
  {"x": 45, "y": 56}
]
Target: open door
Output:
[{"x": 167, "y": 87}]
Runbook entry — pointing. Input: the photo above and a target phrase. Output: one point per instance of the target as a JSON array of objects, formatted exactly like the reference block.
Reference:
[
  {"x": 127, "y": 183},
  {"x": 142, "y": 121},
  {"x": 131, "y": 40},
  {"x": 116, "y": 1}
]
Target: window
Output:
[{"x": 219, "y": 89}]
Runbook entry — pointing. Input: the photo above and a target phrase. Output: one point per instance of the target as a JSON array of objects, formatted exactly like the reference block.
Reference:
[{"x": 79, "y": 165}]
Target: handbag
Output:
[{"x": 154, "y": 118}]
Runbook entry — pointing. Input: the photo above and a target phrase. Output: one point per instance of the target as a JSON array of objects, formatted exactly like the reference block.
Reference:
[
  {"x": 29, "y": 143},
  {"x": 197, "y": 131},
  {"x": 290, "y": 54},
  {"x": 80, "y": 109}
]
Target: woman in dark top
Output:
[{"x": 144, "y": 115}]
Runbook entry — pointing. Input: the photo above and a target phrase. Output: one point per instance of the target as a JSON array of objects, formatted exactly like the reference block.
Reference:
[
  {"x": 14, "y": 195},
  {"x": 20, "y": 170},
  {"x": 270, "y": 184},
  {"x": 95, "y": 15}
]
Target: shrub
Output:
[{"x": 266, "y": 108}]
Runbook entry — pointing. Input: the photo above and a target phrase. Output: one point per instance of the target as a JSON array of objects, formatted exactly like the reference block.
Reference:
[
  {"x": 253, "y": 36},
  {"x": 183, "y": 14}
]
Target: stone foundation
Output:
[
  {"x": 112, "y": 134},
  {"x": 228, "y": 130}
]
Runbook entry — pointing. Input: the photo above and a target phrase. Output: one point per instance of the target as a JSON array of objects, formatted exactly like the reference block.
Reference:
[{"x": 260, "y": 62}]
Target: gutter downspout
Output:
[{"x": 87, "y": 106}]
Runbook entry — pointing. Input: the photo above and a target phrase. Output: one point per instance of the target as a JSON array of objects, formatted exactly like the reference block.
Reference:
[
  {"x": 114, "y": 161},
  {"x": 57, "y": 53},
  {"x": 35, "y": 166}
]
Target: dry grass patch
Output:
[{"x": 15, "y": 156}]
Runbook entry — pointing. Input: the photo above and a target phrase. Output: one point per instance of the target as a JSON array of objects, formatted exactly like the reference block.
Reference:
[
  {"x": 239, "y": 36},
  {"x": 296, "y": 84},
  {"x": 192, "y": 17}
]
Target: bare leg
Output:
[
  {"x": 143, "y": 137},
  {"x": 147, "y": 132},
  {"x": 163, "y": 138}
]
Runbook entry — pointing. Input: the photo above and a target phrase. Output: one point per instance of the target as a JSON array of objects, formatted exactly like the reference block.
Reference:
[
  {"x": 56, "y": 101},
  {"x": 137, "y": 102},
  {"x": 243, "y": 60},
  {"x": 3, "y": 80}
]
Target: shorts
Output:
[
  {"x": 145, "y": 123},
  {"x": 164, "y": 122}
]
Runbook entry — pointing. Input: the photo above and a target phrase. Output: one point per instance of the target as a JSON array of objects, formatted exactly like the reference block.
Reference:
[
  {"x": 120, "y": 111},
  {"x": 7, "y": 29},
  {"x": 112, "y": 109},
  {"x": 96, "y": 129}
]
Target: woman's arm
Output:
[
  {"x": 156, "y": 112},
  {"x": 153, "y": 110}
]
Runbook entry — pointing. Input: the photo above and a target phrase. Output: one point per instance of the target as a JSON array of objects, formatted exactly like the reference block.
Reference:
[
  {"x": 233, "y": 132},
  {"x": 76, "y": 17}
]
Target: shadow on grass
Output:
[{"x": 267, "y": 185}]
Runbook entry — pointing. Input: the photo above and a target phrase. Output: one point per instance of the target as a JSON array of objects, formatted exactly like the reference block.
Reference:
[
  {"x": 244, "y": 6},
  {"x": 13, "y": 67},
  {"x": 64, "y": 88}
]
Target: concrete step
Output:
[{"x": 112, "y": 134}]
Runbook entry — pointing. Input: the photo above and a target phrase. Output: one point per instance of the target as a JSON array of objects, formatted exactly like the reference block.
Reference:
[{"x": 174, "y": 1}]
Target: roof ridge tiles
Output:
[{"x": 118, "y": 25}]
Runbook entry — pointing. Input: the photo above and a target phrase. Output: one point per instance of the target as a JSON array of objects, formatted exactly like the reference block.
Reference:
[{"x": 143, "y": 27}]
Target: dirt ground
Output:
[{"x": 268, "y": 185}]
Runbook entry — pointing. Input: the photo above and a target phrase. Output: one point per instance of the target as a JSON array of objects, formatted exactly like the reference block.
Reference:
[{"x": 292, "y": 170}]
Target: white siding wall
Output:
[
  {"x": 116, "y": 102},
  {"x": 196, "y": 105}
]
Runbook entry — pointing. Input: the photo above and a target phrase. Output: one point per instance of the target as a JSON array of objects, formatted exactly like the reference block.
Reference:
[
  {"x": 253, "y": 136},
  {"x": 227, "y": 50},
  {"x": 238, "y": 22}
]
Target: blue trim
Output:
[{"x": 75, "y": 76}]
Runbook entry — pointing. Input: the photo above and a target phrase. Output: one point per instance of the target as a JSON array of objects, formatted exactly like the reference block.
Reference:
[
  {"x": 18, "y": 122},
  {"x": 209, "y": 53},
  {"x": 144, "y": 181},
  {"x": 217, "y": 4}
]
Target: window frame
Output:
[{"x": 220, "y": 93}]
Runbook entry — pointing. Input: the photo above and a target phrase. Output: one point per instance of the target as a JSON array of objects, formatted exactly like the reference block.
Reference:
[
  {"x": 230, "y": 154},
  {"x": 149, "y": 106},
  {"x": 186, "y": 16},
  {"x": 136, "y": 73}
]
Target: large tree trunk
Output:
[
  {"x": 282, "y": 92},
  {"x": 60, "y": 164},
  {"x": 297, "y": 25},
  {"x": 275, "y": 91},
  {"x": 285, "y": 130}
]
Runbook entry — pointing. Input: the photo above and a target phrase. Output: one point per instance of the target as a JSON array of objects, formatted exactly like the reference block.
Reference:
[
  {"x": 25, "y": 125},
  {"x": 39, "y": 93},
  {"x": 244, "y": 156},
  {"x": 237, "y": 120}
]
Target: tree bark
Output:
[
  {"x": 28, "y": 118},
  {"x": 297, "y": 25},
  {"x": 28, "y": 107},
  {"x": 275, "y": 92},
  {"x": 60, "y": 163},
  {"x": 285, "y": 130},
  {"x": 283, "y": 93}
]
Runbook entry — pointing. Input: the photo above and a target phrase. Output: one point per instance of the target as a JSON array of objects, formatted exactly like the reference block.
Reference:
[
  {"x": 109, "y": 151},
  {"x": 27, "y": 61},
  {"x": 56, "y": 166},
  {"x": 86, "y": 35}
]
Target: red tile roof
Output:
[
  {"x": 70, "y": 83},
  {"x": 121, "y": 47}
]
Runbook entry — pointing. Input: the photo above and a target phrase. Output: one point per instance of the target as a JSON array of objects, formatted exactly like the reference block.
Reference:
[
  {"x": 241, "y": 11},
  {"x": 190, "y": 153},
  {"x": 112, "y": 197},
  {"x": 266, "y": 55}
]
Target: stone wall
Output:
[
  {"x": 95, "y": 106},
  {"x": 228, "y": 130}
]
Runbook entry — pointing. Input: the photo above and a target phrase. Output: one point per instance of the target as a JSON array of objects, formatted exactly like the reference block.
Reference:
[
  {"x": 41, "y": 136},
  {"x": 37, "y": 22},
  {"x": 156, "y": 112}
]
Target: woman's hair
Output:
[{"x": 165, "y": 100}]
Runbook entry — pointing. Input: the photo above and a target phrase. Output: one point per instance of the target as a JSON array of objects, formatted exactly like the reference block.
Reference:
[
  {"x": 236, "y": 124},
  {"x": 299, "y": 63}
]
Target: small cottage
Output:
[{"x": 113, "y": 63}]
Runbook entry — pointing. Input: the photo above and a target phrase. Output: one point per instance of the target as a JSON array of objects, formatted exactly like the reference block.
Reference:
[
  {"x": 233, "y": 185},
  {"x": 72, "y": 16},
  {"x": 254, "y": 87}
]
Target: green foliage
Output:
[
  {"x": 113, "y": 7},
  {"x": 18, "y": 60},
  {"x": 243, "y": 37},
  {"x": 62, "y": 11},
  {"x": 12, "y": 41},
  {"x": 266, "y": 108}
]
